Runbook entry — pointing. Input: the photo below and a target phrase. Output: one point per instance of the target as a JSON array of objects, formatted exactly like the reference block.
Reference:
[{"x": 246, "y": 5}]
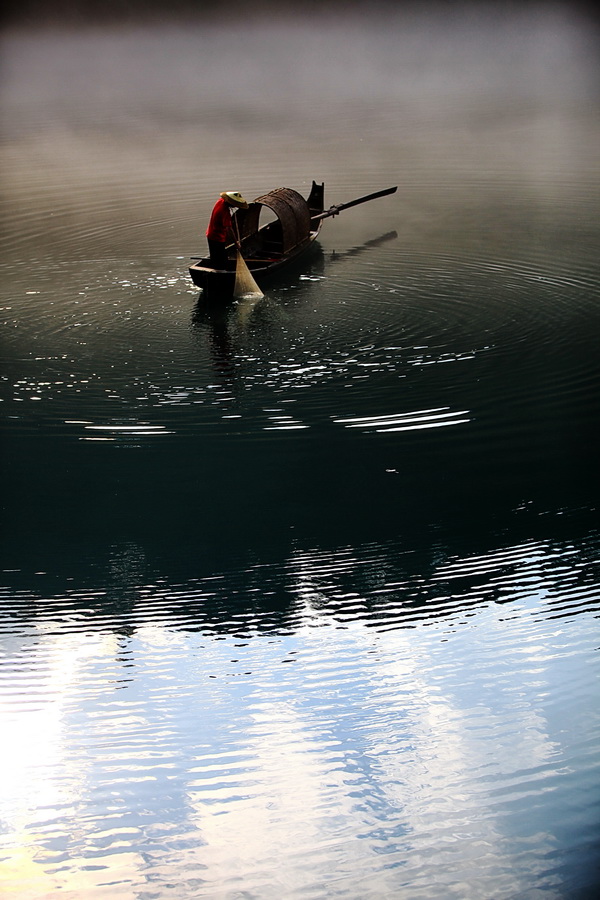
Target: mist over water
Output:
[{"x": 299, "y": 596}]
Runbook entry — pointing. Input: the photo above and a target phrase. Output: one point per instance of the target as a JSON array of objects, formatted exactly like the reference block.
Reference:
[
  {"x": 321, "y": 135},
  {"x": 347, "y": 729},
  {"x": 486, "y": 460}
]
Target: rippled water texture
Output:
[{"x": 299, "y": 596}]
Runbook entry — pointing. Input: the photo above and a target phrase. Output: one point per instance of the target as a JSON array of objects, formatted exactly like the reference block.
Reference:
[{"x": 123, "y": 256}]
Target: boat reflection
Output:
[{"x": 337, "y": 256}]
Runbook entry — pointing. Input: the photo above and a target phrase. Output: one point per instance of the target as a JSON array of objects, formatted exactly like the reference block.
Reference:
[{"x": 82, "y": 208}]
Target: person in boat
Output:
[{"x": 220, "y": 228}]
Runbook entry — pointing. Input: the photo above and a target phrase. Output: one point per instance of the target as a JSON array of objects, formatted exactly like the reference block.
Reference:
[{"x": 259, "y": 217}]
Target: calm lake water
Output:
[{"x": 299, "y": 597}]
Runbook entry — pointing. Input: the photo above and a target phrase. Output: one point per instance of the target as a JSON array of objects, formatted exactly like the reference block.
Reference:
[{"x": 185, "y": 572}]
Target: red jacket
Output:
[{"x": 220, "y": 221}]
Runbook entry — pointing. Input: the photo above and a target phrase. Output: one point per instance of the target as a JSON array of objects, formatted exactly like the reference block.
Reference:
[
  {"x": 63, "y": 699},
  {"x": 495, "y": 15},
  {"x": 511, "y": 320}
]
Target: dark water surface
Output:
[{"x": 300, "y": 596}]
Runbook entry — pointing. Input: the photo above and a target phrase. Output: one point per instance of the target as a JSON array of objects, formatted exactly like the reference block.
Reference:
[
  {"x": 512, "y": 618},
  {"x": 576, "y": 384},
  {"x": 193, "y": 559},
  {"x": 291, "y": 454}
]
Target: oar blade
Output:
[{"x": 339, "y": 207}]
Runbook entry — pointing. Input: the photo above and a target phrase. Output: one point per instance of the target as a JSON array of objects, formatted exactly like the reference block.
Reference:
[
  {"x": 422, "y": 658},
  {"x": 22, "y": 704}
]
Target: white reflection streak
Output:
[
  {"x": 426, "y": 418},
  {"x": 129, "y": 429},
  {"x": 112, "y": 432}
]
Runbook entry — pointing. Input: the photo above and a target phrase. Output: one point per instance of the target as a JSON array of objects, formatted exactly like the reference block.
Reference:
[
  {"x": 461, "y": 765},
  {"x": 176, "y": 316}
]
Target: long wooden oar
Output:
[{"x": 334, "y": 210}]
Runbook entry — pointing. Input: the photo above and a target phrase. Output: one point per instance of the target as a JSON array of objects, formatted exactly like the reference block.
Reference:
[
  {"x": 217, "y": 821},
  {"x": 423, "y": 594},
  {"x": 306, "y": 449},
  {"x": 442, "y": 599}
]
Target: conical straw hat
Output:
[{"x": 235, "y": 198}]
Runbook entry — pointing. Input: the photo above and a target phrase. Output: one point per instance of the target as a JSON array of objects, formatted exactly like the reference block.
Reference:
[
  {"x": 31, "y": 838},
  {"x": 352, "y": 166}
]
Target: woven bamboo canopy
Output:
[{"x": 291, "y": 209}]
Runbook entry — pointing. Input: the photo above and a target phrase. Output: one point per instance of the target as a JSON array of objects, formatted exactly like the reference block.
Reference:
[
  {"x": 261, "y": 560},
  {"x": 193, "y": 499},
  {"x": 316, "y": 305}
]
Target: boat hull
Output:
[{"x": 221, "y": 282}]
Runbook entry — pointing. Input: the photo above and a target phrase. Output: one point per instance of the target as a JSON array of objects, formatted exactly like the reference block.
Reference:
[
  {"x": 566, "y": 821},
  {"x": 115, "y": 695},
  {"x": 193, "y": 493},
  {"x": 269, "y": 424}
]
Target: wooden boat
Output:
[{"x": 269, "y": 248}]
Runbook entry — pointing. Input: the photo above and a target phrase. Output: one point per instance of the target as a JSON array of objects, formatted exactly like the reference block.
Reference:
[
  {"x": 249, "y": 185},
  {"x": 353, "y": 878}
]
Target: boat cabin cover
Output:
[{"x": 294, "y": 213}]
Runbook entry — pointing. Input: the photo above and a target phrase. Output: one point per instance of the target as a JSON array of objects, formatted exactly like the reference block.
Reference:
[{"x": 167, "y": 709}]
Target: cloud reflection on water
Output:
[{"x": 339, "y": 746}]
